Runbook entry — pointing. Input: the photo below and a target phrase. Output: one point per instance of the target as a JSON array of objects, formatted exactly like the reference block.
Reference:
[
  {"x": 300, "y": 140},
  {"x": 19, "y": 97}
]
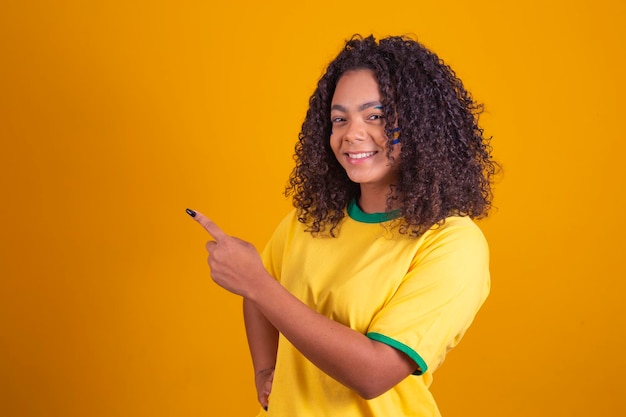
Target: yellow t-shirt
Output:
[{"x": 416, "y": 295}]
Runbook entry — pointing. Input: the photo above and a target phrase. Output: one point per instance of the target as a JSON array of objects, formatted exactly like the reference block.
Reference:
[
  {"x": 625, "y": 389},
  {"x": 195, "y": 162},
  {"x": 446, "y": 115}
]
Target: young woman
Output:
[{"x": 379, "y": 270}]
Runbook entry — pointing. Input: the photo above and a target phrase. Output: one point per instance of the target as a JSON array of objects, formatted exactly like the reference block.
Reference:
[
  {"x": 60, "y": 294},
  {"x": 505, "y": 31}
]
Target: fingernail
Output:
[
  {"x": 191, "y": 212},
  {"x": 265, "y": 408}
]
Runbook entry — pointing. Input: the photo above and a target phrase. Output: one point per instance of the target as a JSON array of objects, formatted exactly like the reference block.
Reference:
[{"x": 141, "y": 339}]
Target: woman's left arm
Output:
[{"x": 368, "y": 367}]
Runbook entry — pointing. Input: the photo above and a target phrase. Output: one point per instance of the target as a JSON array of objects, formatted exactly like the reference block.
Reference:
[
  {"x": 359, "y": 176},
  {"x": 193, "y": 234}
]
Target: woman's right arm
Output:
[{"x": 263, "y": 344}]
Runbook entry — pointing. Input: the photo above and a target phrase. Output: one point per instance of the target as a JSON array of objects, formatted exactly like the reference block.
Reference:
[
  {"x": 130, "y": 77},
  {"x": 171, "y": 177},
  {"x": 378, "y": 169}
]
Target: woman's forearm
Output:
[
  {"x": 263, "y": 344},
  {"x": 262, "y": 337},
  {"x": 366, "y": 366}
]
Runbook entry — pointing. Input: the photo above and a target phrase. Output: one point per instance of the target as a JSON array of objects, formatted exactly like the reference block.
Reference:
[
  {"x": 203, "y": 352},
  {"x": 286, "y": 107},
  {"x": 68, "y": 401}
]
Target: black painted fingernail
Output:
[
  {"x": 191, "y": 212},
  {"x": 265, "y": 408}
]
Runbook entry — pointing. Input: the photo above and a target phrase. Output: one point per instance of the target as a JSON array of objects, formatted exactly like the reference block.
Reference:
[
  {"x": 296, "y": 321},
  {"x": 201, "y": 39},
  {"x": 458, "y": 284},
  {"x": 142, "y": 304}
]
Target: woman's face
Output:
[{"x": 358, "y": 131}]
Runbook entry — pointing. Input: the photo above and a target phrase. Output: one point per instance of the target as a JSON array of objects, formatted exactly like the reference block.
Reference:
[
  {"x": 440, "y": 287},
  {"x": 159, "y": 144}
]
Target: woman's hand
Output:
[
  {"x": 235, "y": 264},
  {"x": 263, "y": 381}
]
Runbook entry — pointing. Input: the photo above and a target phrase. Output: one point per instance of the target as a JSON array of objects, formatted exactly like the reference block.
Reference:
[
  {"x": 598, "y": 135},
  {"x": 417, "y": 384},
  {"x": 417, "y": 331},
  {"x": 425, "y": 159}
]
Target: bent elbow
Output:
[
  {"x": 368, "y": 395},
  {"x": 370, "y": 391}
]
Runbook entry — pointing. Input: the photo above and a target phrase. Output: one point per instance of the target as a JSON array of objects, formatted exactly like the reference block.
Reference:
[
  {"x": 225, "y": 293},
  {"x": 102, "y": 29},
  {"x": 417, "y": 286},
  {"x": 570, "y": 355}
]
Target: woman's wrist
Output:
[{"x": 264, "y": 371}]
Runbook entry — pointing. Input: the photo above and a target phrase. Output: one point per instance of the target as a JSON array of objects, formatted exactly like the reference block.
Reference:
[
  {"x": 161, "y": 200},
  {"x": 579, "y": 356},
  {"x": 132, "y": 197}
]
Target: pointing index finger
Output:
[{"x": 213, "y": 229}]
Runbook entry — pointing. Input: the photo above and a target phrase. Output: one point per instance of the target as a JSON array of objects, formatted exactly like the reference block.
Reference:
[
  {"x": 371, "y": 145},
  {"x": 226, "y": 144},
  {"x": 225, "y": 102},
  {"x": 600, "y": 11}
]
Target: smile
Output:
[{"x": 361, "y": 155}]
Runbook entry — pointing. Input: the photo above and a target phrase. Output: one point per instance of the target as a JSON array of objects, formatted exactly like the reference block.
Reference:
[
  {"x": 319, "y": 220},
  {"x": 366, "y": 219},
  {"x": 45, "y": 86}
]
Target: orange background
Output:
[{"x": 115, "y": 116}]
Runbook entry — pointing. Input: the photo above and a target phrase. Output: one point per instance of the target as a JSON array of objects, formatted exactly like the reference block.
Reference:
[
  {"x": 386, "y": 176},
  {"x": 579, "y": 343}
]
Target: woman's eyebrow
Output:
[{"x": 375, "y": 104}]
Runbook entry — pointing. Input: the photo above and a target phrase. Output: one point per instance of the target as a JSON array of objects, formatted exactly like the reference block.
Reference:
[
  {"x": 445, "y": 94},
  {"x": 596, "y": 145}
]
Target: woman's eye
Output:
[
  {"x": 377, "y": 117},
  {"x": 337, "y": 119}
]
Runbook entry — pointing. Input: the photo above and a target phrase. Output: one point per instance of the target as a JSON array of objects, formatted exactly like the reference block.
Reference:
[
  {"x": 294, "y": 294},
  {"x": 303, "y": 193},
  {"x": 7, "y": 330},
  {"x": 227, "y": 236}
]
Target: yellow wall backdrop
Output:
[{"x": 115, "y": 116}]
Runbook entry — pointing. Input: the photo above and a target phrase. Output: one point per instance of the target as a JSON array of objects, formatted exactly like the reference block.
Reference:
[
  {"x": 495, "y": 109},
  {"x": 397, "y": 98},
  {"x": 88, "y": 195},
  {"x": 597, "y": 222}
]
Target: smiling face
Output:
[{"x": 358, "y": 132}]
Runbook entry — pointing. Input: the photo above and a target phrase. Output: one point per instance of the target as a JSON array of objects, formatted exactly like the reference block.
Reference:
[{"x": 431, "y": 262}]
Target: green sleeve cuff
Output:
[{"x": 421, "y": 364}]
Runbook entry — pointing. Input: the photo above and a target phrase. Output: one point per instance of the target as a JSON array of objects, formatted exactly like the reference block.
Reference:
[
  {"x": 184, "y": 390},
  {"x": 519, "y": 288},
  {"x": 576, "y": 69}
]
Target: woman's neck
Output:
[{"x": 373, "y": 200}]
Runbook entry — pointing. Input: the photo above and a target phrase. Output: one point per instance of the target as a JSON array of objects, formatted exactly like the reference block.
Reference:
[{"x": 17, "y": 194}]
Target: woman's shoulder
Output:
[
  {"x": 288, "y": 222},
  {"x": 460, "y": 229},
  {"x": 464, "y": 222}
]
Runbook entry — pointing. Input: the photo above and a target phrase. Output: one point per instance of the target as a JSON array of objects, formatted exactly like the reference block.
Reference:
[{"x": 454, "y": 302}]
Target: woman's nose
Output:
[{"x": 356, "y": 131}]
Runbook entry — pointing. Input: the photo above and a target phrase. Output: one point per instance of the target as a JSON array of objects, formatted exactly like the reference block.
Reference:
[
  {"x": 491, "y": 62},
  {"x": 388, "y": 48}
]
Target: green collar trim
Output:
[{"x": 355, "y": 213}]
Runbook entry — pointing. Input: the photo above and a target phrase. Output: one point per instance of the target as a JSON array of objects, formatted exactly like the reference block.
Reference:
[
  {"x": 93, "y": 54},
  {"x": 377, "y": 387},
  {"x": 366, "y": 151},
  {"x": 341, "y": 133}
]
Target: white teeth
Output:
[{"x": 360, "y": 155}]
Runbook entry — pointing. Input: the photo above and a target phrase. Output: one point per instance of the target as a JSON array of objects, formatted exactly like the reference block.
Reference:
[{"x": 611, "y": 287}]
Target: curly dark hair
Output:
[{"x": 445, "y": 163}]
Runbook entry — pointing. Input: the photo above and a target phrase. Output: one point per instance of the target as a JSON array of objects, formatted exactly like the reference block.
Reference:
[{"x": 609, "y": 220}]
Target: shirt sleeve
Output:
[
  {"x": 273, "y": 253},
  {"x": 446, "y": 284}
]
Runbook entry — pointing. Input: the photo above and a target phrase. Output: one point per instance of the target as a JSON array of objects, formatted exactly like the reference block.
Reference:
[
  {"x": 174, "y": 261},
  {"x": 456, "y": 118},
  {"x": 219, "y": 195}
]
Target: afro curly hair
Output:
[{"x": 445, "y": 163}]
